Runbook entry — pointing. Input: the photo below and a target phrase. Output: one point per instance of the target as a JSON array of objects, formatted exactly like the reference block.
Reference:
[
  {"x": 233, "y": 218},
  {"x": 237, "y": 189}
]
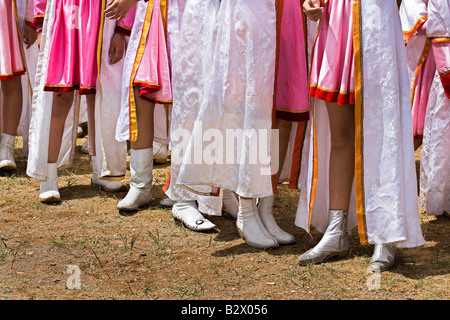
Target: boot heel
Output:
[{"x": 241, "y": 234}]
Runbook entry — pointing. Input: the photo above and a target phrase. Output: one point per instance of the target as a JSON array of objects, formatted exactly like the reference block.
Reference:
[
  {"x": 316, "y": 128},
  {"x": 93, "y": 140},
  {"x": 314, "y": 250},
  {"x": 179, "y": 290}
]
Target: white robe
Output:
[
  {"x": 435, "y": 162},
  {"x": 111, "y": 154},
  {"x": 384, "y": 202},
  {"x": 181, "y": 25},
  {"x": 237, "y": 98},
  {"x": 435, "y": 159}
]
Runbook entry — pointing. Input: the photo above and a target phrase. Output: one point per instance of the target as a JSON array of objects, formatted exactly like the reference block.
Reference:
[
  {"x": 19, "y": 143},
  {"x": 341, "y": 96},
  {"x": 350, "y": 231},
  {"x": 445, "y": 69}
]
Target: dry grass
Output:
[{"x": 150, "y": 256}]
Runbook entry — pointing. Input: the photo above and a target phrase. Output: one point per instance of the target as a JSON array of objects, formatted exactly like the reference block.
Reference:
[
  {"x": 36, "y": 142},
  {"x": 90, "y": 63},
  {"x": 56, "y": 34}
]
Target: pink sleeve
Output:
[
  {"x": 441, "y": 52},
  {"x": 29, "y": 14},
  {"x": 124, "y": 26},
  {"x": 39, "y": 10}
]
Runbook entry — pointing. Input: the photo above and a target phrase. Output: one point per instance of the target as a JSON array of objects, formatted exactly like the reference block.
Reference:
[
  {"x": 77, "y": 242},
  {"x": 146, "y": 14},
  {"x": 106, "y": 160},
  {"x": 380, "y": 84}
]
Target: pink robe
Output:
[
  {"x": 74, "y": 45},
  {"x": 39, "y": 11},
  {"x": 332, "y": 68},
  {"x": 291, "y": 86},
  {"x": 153, "y": 73},
  {"x": 11, "y": 56}
]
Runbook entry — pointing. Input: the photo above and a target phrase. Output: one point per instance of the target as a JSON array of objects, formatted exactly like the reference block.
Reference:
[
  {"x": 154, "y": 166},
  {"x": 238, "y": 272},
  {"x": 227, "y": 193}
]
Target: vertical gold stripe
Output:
[
  {"x": 100, "y": 37},
  {"x": 137, "y": 61},
  {"x": 423, "y": 57},
  {"x": 315, "y": 173},
  {"x": 359, "y": 115}
]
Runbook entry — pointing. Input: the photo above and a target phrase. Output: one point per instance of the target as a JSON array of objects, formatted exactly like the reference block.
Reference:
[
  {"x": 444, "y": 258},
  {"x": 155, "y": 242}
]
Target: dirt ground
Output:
[{"x": 148, "y": 255}]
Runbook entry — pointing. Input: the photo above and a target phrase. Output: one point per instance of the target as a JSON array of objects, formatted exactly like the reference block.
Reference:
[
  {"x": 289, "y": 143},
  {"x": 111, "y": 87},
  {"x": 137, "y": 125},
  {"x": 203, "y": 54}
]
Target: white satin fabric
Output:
[
  {"x": 389, "y": 179},
  {"x": 411, "y": 14},
  {"x": 435, "y": 162},
  {"x": 188, "y": 38},
  {"x": 111, "y": 154},
  {"x": 189, "y": 42},
  {"x": 238, "y": 95},
  {"x": 435, "y": 159},
  {"x": 438, "y": 18}
]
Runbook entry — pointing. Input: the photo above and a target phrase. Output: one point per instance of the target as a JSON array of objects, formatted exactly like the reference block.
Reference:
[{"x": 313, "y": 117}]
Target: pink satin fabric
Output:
[
  {"x": 11, "y": 63},
  {"x": 126, "y": 24},
  {"x": 39, "y": 10},
  {"x": 153, "y": 73},
  {"x": 332, "y": 65},
  {"x": 422, "y": 88},
  {"x": 292, "y": 100},
  {"x": 72, "y": 61},
  {"x": 438, "y": 60}
]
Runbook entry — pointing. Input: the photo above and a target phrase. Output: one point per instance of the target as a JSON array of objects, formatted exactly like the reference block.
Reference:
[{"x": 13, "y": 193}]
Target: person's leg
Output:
[
  {"x": 62, "y": 102},
  {"x": 160, "y": 141},
  {"x": 12, "y": 111},
  {"x": 342, "y": 156},
  {"x": 12, "y": 106},
  {"x": 141, "y": 158},
  {"x": 284, "y": 128},
  {"x": 341, "y": 175},
  {"x": 144, "y": 115}
]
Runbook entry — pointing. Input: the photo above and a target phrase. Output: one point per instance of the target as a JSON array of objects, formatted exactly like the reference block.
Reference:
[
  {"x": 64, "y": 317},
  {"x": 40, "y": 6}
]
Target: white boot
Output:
[
  {"x": 383, "y": 257},
  {"x": 186, "y": 212},
  {"x": 49, "y": 188},
  {"x": 334, "y": 241},
  {"x": 159, "y": 152},
  {"x": 250, "y": 226},
  {"x": 265, "y": 206},
  {"x": 7, "y": 152},
  {"x": 105, "y": 185},
  {"x": 230, "y": 203},
  {"x": 140, "y": 193}
]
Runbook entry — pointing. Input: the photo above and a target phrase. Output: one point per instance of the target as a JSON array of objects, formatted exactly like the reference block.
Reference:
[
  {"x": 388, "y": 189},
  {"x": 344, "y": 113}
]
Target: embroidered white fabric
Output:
[
  {"x": 189, "y": 44},
  {"x": 389, "y": 179},
  {"x": 435, "y": 159},
  {"x": 238, "y": 99}
]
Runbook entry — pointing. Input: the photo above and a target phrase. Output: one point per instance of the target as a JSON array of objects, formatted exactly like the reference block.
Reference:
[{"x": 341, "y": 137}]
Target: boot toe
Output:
[
  {"x": 8, "y": 165},
  {"x": 260, "y": 243},
  {"x": 134, "y": 201},
  {"x": 313, "y": 256},
  {"x": 50, "y": 197},
  {"x": 109, "y": 186},
  {"x": 192, "y": 218},
  {"x": 286, "y": 239}
]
